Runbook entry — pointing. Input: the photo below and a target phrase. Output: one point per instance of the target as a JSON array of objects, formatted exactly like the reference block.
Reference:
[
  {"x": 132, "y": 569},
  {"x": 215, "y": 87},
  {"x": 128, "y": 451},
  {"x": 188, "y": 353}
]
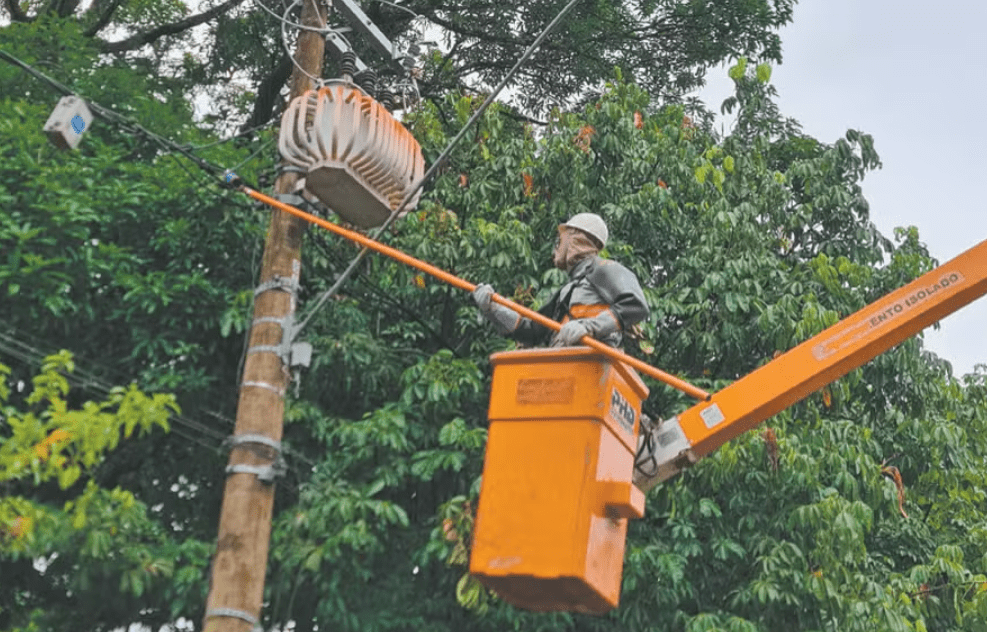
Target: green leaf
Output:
[
  {"x": 764, "y": 73},
  {"x": 68, "y": 476},
  {"x": 737, "y": 71}
]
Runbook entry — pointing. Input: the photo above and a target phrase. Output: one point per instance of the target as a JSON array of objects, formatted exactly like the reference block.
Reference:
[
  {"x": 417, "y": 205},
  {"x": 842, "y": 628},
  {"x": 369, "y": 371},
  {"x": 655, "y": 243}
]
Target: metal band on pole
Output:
[{"x": 235, "y": 614}]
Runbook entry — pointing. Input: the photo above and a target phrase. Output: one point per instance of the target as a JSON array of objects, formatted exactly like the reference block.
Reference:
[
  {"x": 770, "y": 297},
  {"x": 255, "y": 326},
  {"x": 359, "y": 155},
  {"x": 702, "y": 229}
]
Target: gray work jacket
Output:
[{"x": 592, "y": 281}]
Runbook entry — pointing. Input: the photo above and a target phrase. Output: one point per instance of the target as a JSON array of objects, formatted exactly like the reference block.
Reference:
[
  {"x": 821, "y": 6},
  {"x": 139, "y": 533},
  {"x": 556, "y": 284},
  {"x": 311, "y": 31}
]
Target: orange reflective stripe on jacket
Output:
[{"x": 585, "y": 311}]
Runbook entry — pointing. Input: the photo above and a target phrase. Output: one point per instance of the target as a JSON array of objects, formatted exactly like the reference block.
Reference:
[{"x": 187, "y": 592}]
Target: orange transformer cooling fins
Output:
[{"x": 357, "y": 158}]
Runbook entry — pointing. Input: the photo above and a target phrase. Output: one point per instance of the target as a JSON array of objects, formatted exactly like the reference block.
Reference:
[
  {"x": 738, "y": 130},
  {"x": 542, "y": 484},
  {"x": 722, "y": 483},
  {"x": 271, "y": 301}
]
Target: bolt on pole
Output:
[{"x": 237, "y": 583}]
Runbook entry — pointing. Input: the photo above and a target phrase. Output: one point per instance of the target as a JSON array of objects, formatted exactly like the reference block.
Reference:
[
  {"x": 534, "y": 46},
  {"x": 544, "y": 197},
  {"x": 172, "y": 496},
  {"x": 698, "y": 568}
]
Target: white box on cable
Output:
[{"x": 70, "y": 118}]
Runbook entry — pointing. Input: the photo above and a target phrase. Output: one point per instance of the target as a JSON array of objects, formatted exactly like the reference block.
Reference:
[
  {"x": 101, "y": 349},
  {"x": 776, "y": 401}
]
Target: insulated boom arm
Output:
[{"x": 684, "y": 439}]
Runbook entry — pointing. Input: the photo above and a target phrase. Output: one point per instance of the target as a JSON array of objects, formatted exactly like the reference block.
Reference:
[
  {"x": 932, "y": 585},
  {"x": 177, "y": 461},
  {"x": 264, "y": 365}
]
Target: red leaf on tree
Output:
[
  {"x": 529, "y": 183},
  {"x": 892, "y": 472},
  {"x": 582, "y": 139},
  {"x": 638, "y": 120},
  {"x": 771, "y": 444}
]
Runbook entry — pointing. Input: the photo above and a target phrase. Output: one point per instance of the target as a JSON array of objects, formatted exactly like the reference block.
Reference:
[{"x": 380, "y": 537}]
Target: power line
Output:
[
  {"x": 126, "y": 123},
  {"x": 284, "y": 40},
  {"x": 246, "y": 132},
  {"x": 284, "y": 20},
  {"x": 84, "y": 378},
  {"x": 438, "y": 163},
  {"x": 31, "y": 354}
]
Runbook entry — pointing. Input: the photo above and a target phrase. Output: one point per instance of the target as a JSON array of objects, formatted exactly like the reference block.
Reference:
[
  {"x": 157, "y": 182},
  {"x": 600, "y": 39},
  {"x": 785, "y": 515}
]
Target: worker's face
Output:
[
  {"x": 561, "y": 246},
  {"x": 572, "y": 246}
]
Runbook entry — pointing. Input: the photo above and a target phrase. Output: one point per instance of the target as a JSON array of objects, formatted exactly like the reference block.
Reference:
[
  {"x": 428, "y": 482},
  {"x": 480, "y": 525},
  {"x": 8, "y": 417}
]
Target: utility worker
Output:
[{"x": 602, "y": 298}]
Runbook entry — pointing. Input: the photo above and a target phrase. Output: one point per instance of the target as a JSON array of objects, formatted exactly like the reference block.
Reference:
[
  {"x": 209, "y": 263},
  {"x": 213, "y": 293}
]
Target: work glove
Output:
[
  {"x": 600, "y": 327},
  {"x": 570, "y": 334},
  {"x": 482, "y": 296},
  {"x": 504, "y": 320}
]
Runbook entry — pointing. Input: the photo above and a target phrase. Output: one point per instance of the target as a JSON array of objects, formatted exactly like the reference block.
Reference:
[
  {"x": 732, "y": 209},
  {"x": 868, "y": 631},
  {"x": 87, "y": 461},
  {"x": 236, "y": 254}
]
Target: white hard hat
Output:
[{"x": 592, "y": 224}]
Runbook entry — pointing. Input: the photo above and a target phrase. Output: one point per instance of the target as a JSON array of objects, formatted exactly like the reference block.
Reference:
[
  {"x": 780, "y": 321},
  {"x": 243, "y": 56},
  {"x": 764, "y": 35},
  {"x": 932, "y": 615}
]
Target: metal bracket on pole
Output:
[
  {"x": 291, "y": 353},
  {"x": 289, "y": 168},
  {"x": 265, "y": 473},
  {"x": 285, "y": 284},
  {"x": 359, "y": 20},
  {"x": 290, "y": 198},
  {"x": 234, "y": 441},
  {"x": 270, "y": 387},
  {"x": 302, "y": 197},
  {"x": 235, "y": 614}
]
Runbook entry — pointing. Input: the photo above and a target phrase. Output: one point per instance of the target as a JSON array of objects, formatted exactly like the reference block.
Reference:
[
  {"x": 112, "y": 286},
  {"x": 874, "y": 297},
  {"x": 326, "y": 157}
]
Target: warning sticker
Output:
[
  {"x": 545, "y": 391},
  {"x": 851, "y": 335}
]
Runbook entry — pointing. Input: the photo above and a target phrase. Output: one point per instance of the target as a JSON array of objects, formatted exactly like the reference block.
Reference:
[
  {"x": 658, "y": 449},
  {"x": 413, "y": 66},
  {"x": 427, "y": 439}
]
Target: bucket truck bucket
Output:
[{"x": 557, "y": 491}]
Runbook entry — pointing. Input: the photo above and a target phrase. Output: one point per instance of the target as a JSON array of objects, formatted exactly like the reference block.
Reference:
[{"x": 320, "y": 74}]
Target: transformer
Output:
[
  {"x": 357, "y": 158},
  {"x": 70, "y": 118}
]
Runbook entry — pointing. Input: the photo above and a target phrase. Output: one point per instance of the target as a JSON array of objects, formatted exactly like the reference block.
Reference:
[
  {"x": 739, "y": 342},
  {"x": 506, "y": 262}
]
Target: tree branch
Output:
[
  {"x": 267, "y": 93},
  {"x": 103, "y": 19},
  {"x": 142, "y": 39},
  {"x": 15, "y": 11},
  {"x": 478, "y": 33},
  {"x": 65, "y": 8}
]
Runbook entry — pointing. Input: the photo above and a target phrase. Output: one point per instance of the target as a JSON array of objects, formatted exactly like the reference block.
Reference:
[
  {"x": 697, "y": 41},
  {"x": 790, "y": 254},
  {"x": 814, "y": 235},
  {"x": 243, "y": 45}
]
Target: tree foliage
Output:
[
  {"x": 234, "y": 52},
  {"x": 860, "y": 508},
  {"x": 64, "y": 537}
]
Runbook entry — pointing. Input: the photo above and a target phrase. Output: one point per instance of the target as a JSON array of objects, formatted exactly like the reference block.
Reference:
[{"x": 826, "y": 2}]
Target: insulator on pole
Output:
[
  {"x": 368, "y": 81},
  {"x": 347, "y": 65},
  {"x": 387, "y": 99}
]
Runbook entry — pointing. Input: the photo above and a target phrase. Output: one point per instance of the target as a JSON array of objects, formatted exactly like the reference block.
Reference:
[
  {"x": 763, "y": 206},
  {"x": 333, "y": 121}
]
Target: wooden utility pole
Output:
[{"x": 237, "y": 584}]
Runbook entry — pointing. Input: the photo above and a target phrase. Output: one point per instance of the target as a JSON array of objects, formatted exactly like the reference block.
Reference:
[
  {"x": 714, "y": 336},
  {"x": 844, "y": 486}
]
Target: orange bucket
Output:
[{"x": 557, "y": 492}]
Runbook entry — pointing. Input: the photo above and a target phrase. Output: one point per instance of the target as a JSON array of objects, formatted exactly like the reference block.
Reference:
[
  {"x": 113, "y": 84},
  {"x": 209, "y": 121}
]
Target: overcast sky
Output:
[{"x": 914, "y": 76}]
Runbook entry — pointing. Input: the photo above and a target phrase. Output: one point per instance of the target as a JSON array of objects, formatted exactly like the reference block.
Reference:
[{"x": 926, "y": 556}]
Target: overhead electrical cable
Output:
[
  {"x": 241, "y": 134},
  {"x": 83, "y": 382},
  {"x": 284, "y": 41},
  {"x": 437, "y": 164},
  {"x": 86, "y": 379},
  {"x": 182, "y": 425},
  {"x": 126, "y": 123},
  {"x": 284, "y": 20}
]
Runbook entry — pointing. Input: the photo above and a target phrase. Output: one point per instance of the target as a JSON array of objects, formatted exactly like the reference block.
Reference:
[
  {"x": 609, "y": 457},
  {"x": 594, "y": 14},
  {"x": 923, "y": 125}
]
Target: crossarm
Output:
[{"x": 683, "y": 440}]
